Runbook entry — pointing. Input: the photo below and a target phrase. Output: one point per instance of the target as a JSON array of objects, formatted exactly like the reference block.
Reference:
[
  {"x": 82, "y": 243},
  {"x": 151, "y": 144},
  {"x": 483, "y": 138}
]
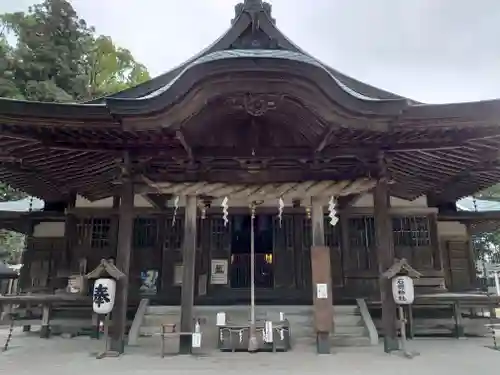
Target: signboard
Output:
[
  {"x": 196, "y": 339},
  {"x": 178, "y": 271},
  {"x": 149, "y": 281},
  {"x": 321, "y": 291},
  {"x": 403, "y": 290},
  {"x": 76, "y": 284},
  {"x": 268, "y": 332},
  {"x": 221, "y": 319},
  {"x": 219, "y": 268}
]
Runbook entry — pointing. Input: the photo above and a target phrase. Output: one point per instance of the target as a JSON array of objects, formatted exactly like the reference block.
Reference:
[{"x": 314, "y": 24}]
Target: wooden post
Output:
[
  {"x": 188, "y": 276},
  {"x": 70, "y": 234},
  {"x": 471, "y": 259},
  {"x": 27, "y": 258},
  {"x": 124, "y": 250},
  {"x": 45, "y": 329},
  {"x": 321, "y": 275},
  {"x": 385, "y": 256},
  {"x": 113, "y": 230}
]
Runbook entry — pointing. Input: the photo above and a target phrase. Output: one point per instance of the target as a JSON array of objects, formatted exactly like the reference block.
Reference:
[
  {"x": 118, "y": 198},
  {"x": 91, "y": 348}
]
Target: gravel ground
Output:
[{"x": 29, "y": 354}]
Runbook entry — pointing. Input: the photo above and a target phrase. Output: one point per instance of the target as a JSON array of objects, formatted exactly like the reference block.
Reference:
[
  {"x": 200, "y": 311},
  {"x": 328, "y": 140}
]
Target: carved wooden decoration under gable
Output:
[{"x": 254, "y": 104}]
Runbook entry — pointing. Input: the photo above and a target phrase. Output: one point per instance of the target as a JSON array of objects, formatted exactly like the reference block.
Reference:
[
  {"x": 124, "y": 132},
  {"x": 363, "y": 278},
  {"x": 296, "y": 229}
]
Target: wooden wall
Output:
[{"x": 158, "y": 240}]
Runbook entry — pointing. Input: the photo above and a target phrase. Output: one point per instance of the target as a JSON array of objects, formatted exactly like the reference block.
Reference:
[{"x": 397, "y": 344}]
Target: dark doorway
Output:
[{"x": 240, "y": 251}]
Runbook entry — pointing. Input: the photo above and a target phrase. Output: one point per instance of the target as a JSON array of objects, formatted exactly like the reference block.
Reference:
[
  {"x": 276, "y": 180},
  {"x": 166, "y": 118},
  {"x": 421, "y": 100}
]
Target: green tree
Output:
[
  {"x": 7, "y": 193},
  {"x": 492, "y": 193},
  {"x": 110, "y": 68},
  {"x": 11, "y": 246},
  {"x": 57, "y": 57}
]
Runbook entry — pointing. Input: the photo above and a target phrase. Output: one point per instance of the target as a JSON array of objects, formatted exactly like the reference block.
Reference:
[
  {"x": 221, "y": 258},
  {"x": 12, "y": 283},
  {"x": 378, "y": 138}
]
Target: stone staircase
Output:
[{"x": 351, "y": 328}]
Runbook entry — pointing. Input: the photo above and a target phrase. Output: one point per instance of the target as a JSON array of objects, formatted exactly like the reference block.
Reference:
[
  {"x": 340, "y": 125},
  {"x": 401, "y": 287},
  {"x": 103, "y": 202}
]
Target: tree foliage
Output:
[
  {"x": 7, "y": 193},
  {"x": 487, "y": 247},
  {"x": 492, "y": 193},
  {"x": 56, "y": 57},
  {"x": 11, "y": 246},
  {"x": 50, "y": 54}
]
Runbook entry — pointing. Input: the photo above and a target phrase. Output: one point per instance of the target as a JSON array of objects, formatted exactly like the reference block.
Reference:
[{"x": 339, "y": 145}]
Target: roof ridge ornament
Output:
[{"x": 253, "y": 8}]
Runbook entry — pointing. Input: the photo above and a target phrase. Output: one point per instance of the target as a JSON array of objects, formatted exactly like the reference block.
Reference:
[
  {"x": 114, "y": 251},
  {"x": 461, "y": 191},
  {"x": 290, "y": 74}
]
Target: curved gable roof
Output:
[{"x": 253, "y": 15}]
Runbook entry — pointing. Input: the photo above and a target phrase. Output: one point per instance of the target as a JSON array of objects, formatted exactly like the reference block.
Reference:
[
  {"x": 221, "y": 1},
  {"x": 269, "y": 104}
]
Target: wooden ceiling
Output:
[{"x": 225, "y": 141}]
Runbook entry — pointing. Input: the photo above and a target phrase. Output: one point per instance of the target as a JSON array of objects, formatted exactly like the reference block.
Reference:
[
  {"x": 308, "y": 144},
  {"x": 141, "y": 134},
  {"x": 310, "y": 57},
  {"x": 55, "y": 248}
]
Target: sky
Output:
[{"x": 434, "y": 51}]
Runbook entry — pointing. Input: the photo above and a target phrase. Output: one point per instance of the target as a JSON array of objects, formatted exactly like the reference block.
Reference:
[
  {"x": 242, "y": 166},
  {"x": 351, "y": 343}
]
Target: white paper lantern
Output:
[
  {"x": 103, "y": 296},
  {"x": 403, "y": 290}
]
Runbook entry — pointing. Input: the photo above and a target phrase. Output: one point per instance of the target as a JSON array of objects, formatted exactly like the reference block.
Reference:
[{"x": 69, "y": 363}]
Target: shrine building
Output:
[{"x": 164, "y": 177}]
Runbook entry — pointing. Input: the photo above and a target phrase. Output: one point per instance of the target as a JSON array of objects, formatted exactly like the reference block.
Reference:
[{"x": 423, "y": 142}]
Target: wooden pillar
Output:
[
  {"x": 298, "y": 251},
  {"x": 385, "y": 256},
  {"x": 27, "y": 258},
  {"x": 160, "y": 247},
  {"x": 471, "y": 259},
  {"x": 114, "y": 223},
  {"x": 188, "y": 274},
  {"x": 321, "y": 276},
  {"x": 70, "y": 234},
  {"x": 124, "y": 250},
  {"x": 437, "y": 252}
]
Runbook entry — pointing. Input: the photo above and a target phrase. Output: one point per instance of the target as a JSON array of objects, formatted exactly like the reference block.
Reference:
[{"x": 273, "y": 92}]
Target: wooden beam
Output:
[
  {"x": 124, "y": 252},
  {"x": 325, "y": 139},
  {"x": 188, "y": 273},
  {"x": 158, "y": 201},
  {"x": 385, "y": 256},
  {"x": 27, "y": 256},
  {"x": 348, "y": 200},
  {"x": 70, "y": 232},
  {"x": 185, "y": 144},
  {"x": 321, "y": 275}
]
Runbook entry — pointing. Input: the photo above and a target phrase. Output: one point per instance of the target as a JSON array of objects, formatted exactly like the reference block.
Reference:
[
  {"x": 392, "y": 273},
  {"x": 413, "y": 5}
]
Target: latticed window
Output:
[
  {"x": 411, "y": 231},
  {"x": 100, "y": 233},
  {"x": 284, "y": 231},
  {"x": 84, "y": 230},
  {"x": 94, "y": 232},
  {"x": 174, "y": 232},
  {"x": 218, "y": 233},
  {"x": 145, "y": 232},
  {"x": 332, "y": 233},
  {"x": 362, "y": 232}
]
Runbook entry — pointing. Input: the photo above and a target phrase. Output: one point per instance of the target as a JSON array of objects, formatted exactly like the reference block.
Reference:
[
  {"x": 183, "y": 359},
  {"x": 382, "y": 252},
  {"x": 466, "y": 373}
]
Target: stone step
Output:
[
  {"x": 346, "y": 310},
  {"x": 348, "y": 320},
  {"x": 350, "y": 341},
  {"x": 349, "y": 326},
  {"x": 349, "y": 330}
]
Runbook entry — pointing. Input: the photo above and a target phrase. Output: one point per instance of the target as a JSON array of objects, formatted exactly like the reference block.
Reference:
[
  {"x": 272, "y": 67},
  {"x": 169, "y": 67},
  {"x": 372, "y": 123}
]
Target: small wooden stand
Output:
[
  {"x": 106, "y": 268},
  {"x": 402, "y": 268},
  {"x": 402, "y": 338},
  {"x": 106, "y": 353}
]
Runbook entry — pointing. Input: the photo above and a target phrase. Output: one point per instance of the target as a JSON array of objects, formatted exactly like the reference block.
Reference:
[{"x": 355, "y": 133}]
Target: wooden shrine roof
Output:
[{"x": 237, "y": 114}]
